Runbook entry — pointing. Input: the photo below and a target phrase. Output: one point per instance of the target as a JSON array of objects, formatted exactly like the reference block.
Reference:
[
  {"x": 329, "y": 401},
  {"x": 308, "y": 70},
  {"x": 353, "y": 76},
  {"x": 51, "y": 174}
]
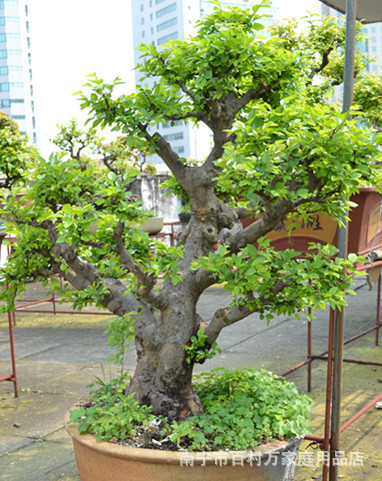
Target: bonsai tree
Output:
[
  {"x": 14, "y": 153},
  {"x": 281, "y": 154},
  {"x": 85, "y": 145}
]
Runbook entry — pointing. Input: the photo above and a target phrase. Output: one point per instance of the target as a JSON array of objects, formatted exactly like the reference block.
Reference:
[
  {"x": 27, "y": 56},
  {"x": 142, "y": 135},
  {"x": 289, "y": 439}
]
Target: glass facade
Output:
[{"x": 16, "y": 89}]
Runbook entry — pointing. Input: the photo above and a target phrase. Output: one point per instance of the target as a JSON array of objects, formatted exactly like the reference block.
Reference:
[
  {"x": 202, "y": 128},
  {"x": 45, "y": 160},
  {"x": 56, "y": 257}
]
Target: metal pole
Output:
[{"x": 351, "y": 7}]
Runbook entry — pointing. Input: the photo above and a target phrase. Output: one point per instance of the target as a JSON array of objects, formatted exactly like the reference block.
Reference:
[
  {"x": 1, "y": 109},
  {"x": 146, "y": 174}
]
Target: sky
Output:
[{"x": 75, "y": 38}]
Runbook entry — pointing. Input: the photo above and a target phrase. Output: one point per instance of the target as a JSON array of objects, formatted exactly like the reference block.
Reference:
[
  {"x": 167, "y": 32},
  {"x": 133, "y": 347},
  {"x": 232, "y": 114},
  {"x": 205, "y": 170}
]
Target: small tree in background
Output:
[
  {"x": 280, "y": 152},
  {"x": 15, "y": 153},
  {"x": 86, "y": 146}
]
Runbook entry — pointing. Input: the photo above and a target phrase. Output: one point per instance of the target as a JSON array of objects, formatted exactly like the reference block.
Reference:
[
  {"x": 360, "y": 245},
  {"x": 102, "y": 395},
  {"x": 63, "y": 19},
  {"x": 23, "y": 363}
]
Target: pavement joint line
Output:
[
  {"x": 258, "y": 333},
  {"x": 38, "y": 352},
  {"x": 60, "y": 466}
]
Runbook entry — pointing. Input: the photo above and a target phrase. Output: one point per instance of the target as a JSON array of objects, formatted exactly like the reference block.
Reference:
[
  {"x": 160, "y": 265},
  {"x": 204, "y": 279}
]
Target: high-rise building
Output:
[
  {"x": 16, "y": 78},
  {"x": 373, "y": 45},
  {"x": 157, "y": 22}
]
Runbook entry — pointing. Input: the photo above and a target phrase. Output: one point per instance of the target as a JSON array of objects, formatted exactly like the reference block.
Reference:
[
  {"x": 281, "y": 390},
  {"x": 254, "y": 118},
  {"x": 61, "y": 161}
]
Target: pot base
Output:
[{"x": 107, "y": 461}]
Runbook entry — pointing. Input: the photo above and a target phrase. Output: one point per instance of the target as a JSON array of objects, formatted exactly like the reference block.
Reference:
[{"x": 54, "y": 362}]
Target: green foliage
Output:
[
  {"x": 166, "y": 262},
  {"x": 121, "y": 332},
  {"x": 84, "y": 208},
  {"x": 111, "y": 414},
  {"x": 199, "y": 349},
  {"x": 318, "y": 279},
  {"x": 300, "y": 153},
  {"x": 87, "y": 146},
  {"x": 243, "y": 408},
  {"x": 15, "y": 153},
  {"x": 246, "y": 407},
  {"x": 7, "y": 123},
  {"x": 368, "y": 95}
]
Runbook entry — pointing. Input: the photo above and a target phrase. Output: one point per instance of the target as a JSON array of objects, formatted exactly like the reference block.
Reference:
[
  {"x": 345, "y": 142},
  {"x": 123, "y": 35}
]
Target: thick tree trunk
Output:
[{"x": 163, "y": 378}]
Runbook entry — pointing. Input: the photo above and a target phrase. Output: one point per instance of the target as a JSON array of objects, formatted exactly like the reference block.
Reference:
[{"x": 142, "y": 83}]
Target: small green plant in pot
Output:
[
  {"x": 243, "y": 408},
  {"x": 281, "y": 154},
  {"x": 184, "y": 213}
]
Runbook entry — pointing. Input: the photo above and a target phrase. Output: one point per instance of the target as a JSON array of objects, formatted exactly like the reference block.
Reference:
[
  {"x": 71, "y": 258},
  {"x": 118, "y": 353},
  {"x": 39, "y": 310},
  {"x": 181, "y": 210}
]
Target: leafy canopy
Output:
[{"x": 281, "y": 152}]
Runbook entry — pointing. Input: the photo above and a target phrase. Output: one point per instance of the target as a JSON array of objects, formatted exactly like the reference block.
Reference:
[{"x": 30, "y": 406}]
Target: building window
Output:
[
  {"x": 2, "y": 4},
  {"x": 166, "y": 10},
  {"x": 5, "y": 36},
  {"x": 27, "y": 26},
  {"x": 3, "y": 53},
  {"x": 29, "y": 42},
  {"x": 158, "y": 1},
  {"x": 4, "y": 87},
  {"x": 34, "y": 122},
  {"x": 141, "y": 8},
  {"x": 14, "y": 51},
  {"x": 143, "y": 34},
  {"x": 18, "y": 117},
  {"x": 166, "y": 38},
  {"x": 6, "y": 103},
  {"x": 178, "y": 150},
  {"x": 176, "y": 136},
  {"x": 151, "y": 3},
  {"x": 29, "y": 58},
  {"x": 169, "y": 23},
  {"x": 34, "y": 137},
  {"x": 174, "y": 123},
  {"x": 18, "y": 85},
  {"x": 151, "y": 17},
  {"x": 26, "y": 10},
  {"x": 15, "y": 68},
  {"x": 152, "y": 30},
  {"x": 31, "y": 88},
  {"x": 30, "y": 74},
  {"x": 4, "y": 70},
  {"x": 4, "y": 20},
  {"x": 32, "y": 106}
]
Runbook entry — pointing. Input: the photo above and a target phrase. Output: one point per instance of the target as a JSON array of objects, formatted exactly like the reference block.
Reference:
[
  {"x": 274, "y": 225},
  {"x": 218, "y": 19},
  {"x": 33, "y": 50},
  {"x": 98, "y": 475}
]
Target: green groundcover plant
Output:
[{"x": 242, "y": 408}]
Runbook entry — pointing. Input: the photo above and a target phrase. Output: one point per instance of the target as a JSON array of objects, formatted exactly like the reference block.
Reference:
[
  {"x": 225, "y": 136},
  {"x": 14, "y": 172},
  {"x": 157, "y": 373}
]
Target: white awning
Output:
[{"x": 368, "y": 11}]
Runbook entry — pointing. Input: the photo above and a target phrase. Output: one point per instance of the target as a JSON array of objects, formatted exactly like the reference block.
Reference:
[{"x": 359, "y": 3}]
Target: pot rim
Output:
[{"x": 171, "y": 457}]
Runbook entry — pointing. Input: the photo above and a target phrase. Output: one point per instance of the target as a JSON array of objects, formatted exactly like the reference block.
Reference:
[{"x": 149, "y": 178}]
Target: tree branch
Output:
[
  {"x": 191, "y": 115},
  {"x": 146, "y": 281},
  {"x": 165, "y": 151},
  {"x": 324, "y": 63},
  {"x": 227, "y": 316}
]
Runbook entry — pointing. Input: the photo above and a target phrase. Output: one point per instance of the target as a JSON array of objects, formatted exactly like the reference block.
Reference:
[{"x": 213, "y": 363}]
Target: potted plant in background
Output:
[
  {"x": 281, "y": 149},
  {"x": 185, "y": 213}
]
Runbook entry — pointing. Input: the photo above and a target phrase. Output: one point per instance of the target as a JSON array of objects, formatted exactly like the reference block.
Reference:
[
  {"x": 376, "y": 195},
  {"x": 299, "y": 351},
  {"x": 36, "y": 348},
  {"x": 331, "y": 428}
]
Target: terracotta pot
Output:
[
  {"x": 364, "y": 230},
  {"x": 112, "y": 462}
]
